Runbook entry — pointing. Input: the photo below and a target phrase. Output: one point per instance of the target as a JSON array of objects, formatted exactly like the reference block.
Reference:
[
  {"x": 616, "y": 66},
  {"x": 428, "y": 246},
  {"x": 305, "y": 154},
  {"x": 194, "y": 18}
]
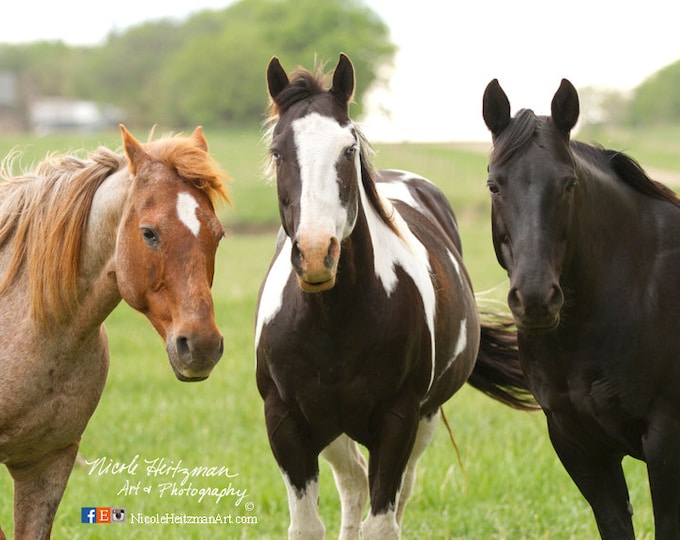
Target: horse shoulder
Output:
[{"x": 430, "y": 220}]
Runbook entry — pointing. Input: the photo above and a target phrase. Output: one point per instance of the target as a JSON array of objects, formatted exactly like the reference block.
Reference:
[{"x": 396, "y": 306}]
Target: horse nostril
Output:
[
  {"x": 296, "y": 257},
  {"x": 183, "y": 348},
  {"x": 555, "y": 297},
  {"x": 333, "y": 253},
  {"x": 515, "y": 299},
  {"x": 221, "y": 348}
]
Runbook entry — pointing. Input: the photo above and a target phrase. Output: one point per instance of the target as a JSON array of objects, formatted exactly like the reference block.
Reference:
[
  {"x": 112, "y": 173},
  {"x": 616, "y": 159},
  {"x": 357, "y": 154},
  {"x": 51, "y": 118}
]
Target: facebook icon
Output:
[{"x": 88, "y": 515}]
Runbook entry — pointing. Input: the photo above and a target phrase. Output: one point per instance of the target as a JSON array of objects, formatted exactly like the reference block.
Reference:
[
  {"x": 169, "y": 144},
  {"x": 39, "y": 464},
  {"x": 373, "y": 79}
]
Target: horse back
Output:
[{"x": 425, "y": 197}]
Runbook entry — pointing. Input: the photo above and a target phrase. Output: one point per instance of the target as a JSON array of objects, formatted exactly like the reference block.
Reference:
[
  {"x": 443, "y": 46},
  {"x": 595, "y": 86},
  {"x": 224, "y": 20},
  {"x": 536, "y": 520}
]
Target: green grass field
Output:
[{"x": 513, "y": 486}]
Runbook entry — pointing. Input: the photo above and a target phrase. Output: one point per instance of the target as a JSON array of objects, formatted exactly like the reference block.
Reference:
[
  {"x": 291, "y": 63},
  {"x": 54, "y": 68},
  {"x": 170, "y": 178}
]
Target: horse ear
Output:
[
  {"x": 133, "y": 150},
  {"x": 495, "y": 108},
  {"x": 200, "y": 139},
  {"x": 565, "y": 107},
  {"x": 277, "y": 79},
  {"x": 343, "y": 80}
]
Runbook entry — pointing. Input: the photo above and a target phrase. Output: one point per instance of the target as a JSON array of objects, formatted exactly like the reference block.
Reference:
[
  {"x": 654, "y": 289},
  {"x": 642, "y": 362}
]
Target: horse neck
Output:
[
  {"x": 609, "y": 217},
  {"x": 357, "y": 254},
  {"x": 96, "y": 280},
  {"x": 373, "y": 242}
]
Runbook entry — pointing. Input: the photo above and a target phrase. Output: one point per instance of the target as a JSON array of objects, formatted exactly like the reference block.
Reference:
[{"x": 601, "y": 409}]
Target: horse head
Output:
[
  {"x": 533, "y": 184},
  {"x": 166, "y": 245},
  {"x": 316, "y": 156}
]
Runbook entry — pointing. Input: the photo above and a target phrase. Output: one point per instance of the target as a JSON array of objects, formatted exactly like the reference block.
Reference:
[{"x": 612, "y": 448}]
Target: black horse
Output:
[{"x": 592, "y": 249}]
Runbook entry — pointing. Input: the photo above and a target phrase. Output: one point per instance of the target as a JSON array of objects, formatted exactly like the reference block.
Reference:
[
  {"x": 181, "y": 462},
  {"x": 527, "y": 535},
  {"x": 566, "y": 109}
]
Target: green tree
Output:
[
  {"x": 44, "y": 68},
  {"x": 657, "y": 100},
  {"x": 124, "y": 71},
  {"x": 210, "y": 80},
  {"x": 210, "y": 68},
  {"x": 603, "y": 106},
  {"x": 218, "y": 76}
]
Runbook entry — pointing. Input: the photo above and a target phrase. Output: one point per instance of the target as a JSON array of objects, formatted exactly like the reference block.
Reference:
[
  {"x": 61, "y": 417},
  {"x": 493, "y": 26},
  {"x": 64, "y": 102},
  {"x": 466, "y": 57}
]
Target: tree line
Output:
[
  {"x": 208, "y": 69},
  {"x": 656, "y": 101}
]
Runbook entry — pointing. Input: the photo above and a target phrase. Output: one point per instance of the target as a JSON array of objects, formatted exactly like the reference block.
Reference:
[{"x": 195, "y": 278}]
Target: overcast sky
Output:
[{"x": 448, "y": 50}]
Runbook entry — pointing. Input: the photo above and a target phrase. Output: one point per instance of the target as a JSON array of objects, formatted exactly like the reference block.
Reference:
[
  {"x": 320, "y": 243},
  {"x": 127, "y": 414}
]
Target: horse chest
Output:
[
  {"x": 587, "y": 400},
  {"x": 50, "y": 408},
  {"x": 338, "y": 364}
]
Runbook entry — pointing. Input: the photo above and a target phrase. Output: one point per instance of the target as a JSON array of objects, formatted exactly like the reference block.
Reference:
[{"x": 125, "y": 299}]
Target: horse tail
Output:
[{"x": 497, "y": 372}]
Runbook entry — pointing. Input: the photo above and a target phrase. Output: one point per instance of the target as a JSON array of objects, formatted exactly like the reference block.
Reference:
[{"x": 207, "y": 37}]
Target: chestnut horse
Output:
[
  {"x": 366, "y": 321},
  {"x": 76, "y": 236},
  {"x": 592, "y": 248}
]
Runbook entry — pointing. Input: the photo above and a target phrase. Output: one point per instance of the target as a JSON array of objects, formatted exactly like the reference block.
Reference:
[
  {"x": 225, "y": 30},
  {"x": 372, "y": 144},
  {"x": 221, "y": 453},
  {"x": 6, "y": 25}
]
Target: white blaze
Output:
[
  {"x": 320, "y": 142},
  {"x": 186, "y": 210}
]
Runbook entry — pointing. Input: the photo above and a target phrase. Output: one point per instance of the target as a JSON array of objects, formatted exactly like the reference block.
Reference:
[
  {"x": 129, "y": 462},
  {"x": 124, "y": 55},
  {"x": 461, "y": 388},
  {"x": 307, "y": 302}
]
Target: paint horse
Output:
[
  {"x": 76, "y": 236},
  {"x": 592, "y": 249},
  {"x": 366, "y": 321}
]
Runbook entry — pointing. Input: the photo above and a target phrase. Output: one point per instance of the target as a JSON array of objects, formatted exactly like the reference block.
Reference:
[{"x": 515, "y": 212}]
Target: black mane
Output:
[
  {"x": 626, "y": 169},
  {"x": 524, "y": 127}
]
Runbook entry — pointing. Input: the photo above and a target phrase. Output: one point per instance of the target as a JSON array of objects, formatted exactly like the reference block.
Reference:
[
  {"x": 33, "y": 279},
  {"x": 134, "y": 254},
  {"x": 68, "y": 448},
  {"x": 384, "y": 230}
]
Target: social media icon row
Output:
[{"x": 102, "y": 514}]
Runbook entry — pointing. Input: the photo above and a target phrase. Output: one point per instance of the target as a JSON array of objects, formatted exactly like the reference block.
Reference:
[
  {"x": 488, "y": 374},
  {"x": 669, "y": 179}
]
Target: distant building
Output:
[
  {"x": 12, "y": 113},
  {"x": 8, "y": 89},
  {"x": 49, "y": 115},
  {"x": 20, "y": 111}
]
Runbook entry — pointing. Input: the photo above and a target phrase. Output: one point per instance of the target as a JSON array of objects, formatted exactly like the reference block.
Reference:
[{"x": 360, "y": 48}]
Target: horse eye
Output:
[
  {"x": 571, "y": 184},
  {"x": 276, "y": 156},
  {"x": 350, "y": 151},
  {"x": 493, "y": 187},
  {"x": 150, "y": 236}
]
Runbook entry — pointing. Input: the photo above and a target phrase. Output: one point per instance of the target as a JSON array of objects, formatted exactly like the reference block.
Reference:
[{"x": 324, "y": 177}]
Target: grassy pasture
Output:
[{"x": 513, "y": 486}]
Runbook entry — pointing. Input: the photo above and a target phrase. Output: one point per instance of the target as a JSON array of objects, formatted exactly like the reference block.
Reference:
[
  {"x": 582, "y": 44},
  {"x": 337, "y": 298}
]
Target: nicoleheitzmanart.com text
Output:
[{"x": 187, "y": 519}]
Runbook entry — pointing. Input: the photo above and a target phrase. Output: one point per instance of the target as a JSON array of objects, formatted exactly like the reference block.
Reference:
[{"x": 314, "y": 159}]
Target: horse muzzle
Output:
[
  {"x": 193, "y": 357},
  {"x": 315, "y": 260},
  {"x": 536, "y": 310}
]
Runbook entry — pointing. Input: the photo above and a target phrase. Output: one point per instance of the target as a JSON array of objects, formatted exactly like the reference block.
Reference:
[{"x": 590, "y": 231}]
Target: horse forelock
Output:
[
  {"x": 193, "y": 164},
  {"x": 43, "y": 219},
  {"x": 303, "y": 85},
  {"x": 515, "y": 138}
]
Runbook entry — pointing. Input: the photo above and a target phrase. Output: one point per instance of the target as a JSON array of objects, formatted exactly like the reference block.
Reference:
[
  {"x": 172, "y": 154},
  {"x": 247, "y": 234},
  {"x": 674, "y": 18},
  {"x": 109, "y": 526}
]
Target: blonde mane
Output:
[{"x": 44, "y": 216}]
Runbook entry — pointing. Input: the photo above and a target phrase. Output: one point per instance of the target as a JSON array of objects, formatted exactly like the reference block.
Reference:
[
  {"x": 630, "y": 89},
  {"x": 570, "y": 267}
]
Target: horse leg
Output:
[
  {"x": 38, "y": 489},
  {"x": 426, "y": 430},
  {"x": 299, "y": 465},
  {"x": 662, "y": 453},
  {"x": 388, "y": 458},
  {"x": 351, "y": 477},
  {"x": 599, "y": 477}
]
